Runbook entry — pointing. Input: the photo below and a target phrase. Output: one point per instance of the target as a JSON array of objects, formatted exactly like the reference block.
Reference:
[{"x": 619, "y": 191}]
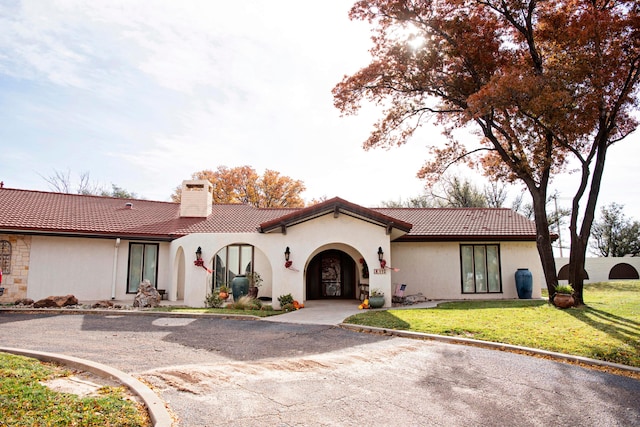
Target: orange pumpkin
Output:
[
  {"x": 296, "y": 304},
  {"x": 223, "y": 295}
]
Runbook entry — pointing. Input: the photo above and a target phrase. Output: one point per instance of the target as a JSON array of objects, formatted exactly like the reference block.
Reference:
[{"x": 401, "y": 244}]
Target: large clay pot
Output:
[
  {"x": 376, "y": 302},
  {"x": 524, "y": 283},
  {"x": 563, "y": 300},
  {"x": 239, "y": 287}
]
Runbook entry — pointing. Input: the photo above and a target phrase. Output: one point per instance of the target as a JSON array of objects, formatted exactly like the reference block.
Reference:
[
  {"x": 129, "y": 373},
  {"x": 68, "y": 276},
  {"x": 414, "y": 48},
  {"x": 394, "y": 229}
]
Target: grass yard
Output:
[
  {"x": 26, "y": 402},
  {"x": 607, "y": 328}
]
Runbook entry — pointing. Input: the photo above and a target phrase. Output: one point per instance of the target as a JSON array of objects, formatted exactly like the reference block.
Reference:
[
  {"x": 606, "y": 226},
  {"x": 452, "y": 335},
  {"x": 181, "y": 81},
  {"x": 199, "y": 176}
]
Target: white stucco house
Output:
[{"x": 100, "y": 248}]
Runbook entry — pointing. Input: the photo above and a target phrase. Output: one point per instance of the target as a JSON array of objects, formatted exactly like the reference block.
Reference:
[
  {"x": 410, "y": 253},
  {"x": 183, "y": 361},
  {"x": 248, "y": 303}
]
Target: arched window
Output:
[
  {"x": 563, "y": 274},
  {"x": 5, "y": 257},
  {"x": 623, "y": 271},
  {"x": 232, "y": 261}
]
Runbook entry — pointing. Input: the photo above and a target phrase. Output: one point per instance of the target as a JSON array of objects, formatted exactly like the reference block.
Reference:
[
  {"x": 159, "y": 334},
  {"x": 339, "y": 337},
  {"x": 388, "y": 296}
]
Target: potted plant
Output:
[
  {"x": 563, "y": 297},
  {"x": 223, "y": 292},
  {"x": 255, "y": 281},
  {"x": 376, "y": 299}
]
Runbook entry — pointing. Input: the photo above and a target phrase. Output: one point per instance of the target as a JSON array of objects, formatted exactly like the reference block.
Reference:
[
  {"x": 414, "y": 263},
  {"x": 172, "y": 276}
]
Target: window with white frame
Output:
[{"x": 480, "y": 268}]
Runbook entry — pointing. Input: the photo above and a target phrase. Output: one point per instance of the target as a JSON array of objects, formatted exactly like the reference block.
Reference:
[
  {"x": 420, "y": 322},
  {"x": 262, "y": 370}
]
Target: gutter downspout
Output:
[{"x": 115, "y": 269}]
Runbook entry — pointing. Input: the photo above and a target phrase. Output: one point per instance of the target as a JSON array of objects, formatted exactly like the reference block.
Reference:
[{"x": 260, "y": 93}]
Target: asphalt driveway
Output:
[{"x": 214, "y": 371}]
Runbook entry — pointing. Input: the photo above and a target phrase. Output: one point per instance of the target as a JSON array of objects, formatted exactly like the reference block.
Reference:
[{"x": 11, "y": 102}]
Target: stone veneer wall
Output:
[{"x": 15, "y": 283}]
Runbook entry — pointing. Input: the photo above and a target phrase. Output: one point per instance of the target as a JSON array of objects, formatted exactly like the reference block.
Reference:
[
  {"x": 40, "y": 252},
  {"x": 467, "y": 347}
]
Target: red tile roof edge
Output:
[{"x": 329, "y": 205}]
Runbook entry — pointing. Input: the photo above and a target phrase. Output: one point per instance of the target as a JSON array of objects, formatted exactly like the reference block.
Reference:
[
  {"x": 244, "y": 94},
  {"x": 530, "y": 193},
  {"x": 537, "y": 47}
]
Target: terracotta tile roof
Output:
[
  {"x": 58, "y": 213},
  {"x": 71, "y": 214},
  {"x": 77, "y": 214},
  {"x": 236, "y": 218},
  {"x": 337, "y": 205},
  {"x": 461, "y": 223}
]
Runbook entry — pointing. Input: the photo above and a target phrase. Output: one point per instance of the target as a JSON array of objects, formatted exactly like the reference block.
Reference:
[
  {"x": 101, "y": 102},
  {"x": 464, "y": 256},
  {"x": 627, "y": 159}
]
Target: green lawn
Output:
[
  {"x": 26, "y": 402},
  {"x": 607, "y": 328}
]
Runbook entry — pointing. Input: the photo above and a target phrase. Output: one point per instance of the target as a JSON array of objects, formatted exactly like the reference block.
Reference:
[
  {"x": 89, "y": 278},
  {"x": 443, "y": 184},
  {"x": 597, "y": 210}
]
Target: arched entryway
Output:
[{"x": 331, "y": 274}]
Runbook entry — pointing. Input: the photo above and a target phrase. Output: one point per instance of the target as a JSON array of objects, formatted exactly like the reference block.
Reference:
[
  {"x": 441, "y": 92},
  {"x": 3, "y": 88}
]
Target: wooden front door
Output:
[{"x": 331, "y": 275}]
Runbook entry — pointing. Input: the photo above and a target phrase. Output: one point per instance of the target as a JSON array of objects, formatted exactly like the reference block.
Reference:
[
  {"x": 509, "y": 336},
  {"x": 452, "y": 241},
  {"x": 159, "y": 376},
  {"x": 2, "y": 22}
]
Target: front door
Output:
[{"x": 331, "y": 274}]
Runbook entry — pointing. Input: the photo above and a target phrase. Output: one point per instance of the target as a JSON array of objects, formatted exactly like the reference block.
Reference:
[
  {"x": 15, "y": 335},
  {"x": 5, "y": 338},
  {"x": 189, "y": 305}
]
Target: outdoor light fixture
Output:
[
  {"x": 199, "y": 261},
  {"x": 287, "y": 254},
  {"x": 383, "y": 263}
]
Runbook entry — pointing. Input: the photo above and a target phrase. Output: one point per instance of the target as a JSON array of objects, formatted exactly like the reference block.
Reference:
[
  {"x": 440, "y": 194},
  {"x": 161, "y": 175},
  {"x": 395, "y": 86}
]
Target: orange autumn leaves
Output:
[{"x": 242, "y": 184}]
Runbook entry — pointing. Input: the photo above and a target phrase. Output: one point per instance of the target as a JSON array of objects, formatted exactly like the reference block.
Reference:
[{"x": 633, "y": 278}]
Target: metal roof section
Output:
[{"x": 336, "y": 207}]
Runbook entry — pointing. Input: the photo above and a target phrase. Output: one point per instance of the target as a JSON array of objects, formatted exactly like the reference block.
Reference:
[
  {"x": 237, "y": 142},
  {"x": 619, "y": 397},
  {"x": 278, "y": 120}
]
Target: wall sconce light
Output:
[
  {"x": 381, "y": 257},
  {"x": 199, "y": 262},
  {"x": 287, "y": 254}
]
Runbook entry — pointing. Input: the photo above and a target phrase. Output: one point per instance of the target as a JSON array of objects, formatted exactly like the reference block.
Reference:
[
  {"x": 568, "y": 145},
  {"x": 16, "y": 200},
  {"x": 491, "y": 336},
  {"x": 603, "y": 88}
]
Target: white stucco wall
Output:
[
  {"x": 84, "y": 267},
  {"x": 358, "y": 238},
  {"x": 433, "y": 269},
  {"x": 598, "y": 268}
]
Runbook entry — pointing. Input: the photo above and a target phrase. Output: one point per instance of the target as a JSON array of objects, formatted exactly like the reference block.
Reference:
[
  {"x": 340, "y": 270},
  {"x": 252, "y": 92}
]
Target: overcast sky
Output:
[{"x": 144, "y": 93}]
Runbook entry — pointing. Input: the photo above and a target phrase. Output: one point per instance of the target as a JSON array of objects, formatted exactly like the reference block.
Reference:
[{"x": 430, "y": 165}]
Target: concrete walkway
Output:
[{"x": 330, "y": 312}]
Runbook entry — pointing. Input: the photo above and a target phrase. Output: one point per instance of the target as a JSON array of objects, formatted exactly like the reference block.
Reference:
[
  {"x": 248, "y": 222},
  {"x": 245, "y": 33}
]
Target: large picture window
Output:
[
  {"x": 5, "y": 256},
  {"x": 143, "y": 265},
  {"x": 232, "y": 261},
  {"x": 480, "y": 266}
]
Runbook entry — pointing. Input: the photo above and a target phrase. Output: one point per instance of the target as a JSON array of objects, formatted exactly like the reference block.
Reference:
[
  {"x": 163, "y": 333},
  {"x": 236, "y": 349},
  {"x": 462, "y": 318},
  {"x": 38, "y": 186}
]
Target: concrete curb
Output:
[
  {"x": 158, "y": 413},
  {"x": 489, "y": 344}
]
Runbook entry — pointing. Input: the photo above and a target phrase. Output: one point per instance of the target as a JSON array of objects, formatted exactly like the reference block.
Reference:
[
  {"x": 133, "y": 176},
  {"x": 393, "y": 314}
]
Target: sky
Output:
[{"x": 143, "y": 94}]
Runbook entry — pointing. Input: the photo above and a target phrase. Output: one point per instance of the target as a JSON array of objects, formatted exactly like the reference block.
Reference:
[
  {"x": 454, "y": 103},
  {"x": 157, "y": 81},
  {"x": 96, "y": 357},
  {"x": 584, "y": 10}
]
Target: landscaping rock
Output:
[
  {"x": 147, "y": 296},
  {"x": 103, "y": 304},
  {"x": 56, "y": 301},
  {"x": 24, "y": 301},
  {"x": 414, "y": 299}
]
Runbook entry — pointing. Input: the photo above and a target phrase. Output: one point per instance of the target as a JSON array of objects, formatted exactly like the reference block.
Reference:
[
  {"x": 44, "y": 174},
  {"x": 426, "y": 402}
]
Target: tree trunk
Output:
[
  {"x": 578, "y": 251},
  {"x": 543, "y": 239}
]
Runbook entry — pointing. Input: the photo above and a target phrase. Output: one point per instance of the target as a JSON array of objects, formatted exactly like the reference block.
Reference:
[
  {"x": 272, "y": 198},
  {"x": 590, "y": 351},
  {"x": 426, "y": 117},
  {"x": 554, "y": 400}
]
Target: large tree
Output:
[
  {"x": 60, "y": 182},
  {"x": 615, "y": 235},
  {"x": 547, "y": 85},
  {"x": 242, "y": 184},
  {"x": 455, "y": 192}
]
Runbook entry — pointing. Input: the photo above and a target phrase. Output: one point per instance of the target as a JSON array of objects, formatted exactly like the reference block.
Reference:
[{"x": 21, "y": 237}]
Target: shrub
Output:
[
  {"x": 287, "y": 307},
  {"x": 285, "y": 299},
  {"x": 246, "y": 303},
  {"x": 213, "y": 301},
  {"x": 564, "y": 289}
]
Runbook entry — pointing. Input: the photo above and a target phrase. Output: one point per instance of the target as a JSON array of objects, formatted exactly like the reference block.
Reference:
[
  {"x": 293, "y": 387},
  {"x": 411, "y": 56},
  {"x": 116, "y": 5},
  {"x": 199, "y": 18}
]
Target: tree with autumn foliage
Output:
[
  {"x": 242, "y": 184},
  {"x": 548, "y": 87}
]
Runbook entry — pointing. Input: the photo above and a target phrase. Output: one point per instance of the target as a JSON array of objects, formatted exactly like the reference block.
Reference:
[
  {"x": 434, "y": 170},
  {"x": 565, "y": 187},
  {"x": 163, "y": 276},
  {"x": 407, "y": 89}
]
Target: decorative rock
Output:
[
  {"x": 56, "y": 301},
  {"x": 103, "y": 304},
  {"x": 414, "y": 299},
  {"x": 24, "y": 301},
  {"x": 147, "y": 295}
]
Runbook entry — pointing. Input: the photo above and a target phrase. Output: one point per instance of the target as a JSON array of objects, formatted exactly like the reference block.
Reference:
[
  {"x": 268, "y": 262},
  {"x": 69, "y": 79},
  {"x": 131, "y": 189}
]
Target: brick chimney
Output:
[{"x": 196, "y": 198}]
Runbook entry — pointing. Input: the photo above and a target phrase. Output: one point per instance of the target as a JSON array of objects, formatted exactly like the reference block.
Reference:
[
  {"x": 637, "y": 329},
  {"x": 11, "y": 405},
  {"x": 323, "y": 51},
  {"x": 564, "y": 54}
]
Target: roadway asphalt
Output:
[{"x": 225, "y": 372}]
